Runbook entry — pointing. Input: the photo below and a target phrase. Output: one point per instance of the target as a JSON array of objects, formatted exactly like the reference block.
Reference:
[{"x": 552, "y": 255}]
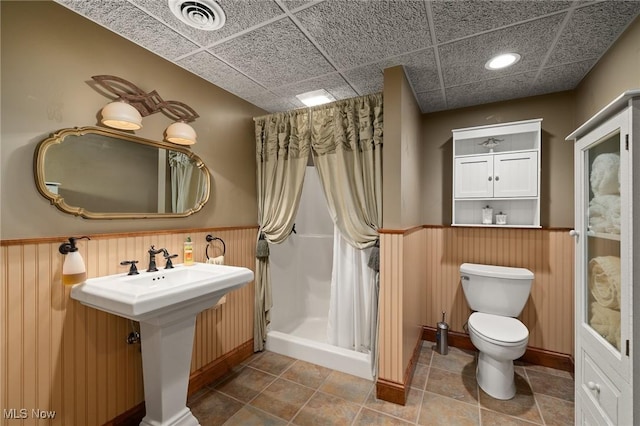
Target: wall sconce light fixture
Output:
[{"x": 132, "y": 103}]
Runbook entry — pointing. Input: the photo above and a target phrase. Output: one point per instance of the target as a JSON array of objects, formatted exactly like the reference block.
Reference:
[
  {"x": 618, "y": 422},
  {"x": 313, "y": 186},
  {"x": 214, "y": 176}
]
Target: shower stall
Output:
[{"x": 301, "y": 269}]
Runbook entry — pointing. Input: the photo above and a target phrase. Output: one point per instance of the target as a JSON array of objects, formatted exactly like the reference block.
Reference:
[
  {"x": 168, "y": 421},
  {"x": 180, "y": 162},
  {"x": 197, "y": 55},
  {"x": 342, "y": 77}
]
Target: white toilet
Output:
[{"x": 496, "y": 294}]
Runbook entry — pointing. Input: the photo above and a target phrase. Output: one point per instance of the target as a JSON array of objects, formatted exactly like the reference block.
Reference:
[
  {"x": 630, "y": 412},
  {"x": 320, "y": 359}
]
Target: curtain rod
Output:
[
  {"x": 307, "y": 109},
  {"x": 297, "y": 110}
]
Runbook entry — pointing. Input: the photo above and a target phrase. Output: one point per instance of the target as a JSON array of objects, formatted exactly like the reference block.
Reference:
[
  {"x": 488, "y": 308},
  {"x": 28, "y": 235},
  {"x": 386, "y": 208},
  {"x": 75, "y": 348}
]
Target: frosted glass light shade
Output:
[
  {"x": 180, "y": 133},
  {"x": 120, "y": 115},
  {"x": 73, "y": 269}
]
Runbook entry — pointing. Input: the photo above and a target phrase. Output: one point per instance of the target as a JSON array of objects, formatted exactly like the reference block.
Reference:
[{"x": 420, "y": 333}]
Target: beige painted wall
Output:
[
  {"x": 48, "y": 55},
  {"x": 392, "y": 161},
  {"x": 618, "y": 70},
  {"x": 402, "y": 181},
  {"x": 557, "y": 112}
]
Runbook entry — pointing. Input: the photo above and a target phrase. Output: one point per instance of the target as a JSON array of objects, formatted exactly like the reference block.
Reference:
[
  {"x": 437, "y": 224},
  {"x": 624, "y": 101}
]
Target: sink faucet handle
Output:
[
  {"x": 133, "y": 270},
  {"x": 168, "y": 257}
]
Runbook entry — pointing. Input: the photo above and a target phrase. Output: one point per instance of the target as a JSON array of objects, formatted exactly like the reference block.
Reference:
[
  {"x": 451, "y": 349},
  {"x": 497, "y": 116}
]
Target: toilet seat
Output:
[{"x": 503, "y": 331}]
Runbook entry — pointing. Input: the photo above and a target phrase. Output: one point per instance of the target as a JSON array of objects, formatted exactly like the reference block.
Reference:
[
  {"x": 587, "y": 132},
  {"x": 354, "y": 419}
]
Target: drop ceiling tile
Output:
[
  {"x": 130, "y": 22},
  {"x": 367, "y": 79},
  {"x": 274, "y": 55},
  {"x": 486, "y": 91},
  {"x": 294, "y": 4},
  {"x": 217, "y": 72},
  {"x": 431, "y": 101},
  {"x": 269, "y": 63},
  {"x": 357, "y": 32},
  {"x": 240, "y": 15},
  {"x": 420, "y": 67},
  {"x": 271, "y": 102},
  {"x": 464, "y": 18},
  {"x": 563, "y": 77},
  {"x": 463, "y": 61},
  {"x": 332, "y": 83},
  {"x": 592, "y": 29}
]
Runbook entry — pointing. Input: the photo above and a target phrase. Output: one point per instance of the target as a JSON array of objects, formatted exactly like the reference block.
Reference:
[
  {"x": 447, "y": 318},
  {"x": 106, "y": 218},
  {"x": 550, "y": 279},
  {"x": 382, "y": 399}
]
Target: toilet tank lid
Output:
[{"x": 496, "y": 271}]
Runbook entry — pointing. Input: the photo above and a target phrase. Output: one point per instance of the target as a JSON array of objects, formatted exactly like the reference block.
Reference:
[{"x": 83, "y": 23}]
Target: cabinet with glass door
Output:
[{"x": 604, "y": 232}]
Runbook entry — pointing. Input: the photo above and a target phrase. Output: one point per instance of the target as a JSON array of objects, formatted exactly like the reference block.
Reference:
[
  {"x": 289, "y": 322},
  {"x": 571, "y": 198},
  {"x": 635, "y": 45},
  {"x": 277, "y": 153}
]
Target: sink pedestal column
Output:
[{"x": 166, "y": 364}]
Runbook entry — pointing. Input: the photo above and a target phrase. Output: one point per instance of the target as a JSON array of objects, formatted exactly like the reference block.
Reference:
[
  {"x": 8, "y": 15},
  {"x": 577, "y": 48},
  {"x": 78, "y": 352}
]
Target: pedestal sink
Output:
[{"x": 166, "y": 303}]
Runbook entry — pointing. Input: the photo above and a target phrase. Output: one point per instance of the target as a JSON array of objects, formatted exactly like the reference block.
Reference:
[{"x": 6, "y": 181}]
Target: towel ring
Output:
[{"x": 211, "y": 238}]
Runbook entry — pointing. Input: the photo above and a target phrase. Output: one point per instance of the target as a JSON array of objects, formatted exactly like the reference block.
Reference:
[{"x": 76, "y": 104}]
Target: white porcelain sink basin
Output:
[
  {"x": 151, "y": 294},
  {"x": 166, "y": 303}
]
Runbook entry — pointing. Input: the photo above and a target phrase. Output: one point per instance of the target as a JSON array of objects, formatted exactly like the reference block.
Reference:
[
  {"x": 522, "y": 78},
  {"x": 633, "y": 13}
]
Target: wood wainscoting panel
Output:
[
  {"x": 63, "y": 357},
  {"x": 414, "y": 309},
  {"x": 401, "y": 308},
  {"x": 548, "y": 253},
  {"x": 390, "y": 307}
]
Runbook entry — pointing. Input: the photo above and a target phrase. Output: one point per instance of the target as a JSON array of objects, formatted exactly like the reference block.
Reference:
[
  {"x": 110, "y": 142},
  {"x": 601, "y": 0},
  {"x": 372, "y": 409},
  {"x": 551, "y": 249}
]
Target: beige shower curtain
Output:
[
  {"x": 282, "y": 151},
  {"x": 347, "y": 150}
]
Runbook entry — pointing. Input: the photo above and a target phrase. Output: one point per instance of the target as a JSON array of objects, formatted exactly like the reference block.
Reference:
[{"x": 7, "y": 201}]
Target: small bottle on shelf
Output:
[
  {"x": 487, "y": 216},
  {"x": 501, "y": 218},
  {"x": 188, "y": 252}
]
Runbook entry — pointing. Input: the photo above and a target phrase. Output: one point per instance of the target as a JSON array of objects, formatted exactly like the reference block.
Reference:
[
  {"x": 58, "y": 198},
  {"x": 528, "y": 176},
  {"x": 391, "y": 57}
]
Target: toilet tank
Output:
[{"x": 498, "y": 290}]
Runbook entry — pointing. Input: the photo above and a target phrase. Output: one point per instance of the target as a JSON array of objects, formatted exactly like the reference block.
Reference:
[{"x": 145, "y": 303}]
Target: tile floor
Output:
[{"x": 271, "y": 389}]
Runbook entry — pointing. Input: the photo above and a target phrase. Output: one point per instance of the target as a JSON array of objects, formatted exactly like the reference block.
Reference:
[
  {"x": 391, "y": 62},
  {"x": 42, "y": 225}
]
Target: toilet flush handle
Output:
[{"x": 464, "y": 277}]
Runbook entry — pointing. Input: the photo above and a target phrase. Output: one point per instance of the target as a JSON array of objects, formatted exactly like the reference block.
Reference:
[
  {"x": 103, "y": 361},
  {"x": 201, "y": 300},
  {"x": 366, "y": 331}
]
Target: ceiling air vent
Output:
[{"x": 206, "y": 15}]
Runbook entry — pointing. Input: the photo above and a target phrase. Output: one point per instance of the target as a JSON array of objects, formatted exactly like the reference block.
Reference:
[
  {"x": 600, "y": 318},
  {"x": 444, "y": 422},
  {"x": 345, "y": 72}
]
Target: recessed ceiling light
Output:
[
  {"x": 316, "y": 97},
  {"x": 502, "y": 61}
]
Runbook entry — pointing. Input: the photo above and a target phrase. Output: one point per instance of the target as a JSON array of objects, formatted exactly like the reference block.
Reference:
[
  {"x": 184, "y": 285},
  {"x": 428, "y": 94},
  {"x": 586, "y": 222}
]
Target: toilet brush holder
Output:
[{"x": 442, "y": 337}]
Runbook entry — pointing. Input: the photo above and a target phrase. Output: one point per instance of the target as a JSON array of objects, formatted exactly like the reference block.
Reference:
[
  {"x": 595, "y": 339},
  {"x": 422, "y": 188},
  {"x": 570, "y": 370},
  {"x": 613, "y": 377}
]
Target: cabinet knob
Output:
[
  {"x": 593, "y": 386},
  {"x": 497, "y": 178},
  {"x": 490, "y": 178}
]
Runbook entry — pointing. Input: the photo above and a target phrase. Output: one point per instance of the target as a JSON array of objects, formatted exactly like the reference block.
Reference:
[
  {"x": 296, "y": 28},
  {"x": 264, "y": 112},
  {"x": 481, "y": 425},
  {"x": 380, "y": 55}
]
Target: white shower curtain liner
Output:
[{"x": 352, "y": 283}]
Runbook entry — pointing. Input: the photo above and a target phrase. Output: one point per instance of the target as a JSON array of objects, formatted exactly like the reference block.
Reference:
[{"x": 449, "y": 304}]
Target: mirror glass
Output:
[{"x": 101, "y": 173}]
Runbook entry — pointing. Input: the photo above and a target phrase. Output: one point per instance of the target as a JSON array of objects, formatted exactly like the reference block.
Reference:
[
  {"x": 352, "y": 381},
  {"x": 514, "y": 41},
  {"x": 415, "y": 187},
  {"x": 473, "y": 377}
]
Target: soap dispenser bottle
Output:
[
  {"x": 188, "y": 252},
  {"x": 73, "y": 269}
]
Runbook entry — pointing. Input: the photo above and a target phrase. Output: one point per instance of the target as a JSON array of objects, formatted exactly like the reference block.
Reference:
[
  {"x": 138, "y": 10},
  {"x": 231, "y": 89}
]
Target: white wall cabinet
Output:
[
  {"x": 606, "y": 170},
  {"x": 497, "y": 175},
  {"x": 497, "y": 166}
]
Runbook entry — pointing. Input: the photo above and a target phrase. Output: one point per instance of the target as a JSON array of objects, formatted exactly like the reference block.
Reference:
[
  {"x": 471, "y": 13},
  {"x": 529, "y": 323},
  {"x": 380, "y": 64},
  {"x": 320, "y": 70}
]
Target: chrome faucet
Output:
[{"x": 152, "y": 258}]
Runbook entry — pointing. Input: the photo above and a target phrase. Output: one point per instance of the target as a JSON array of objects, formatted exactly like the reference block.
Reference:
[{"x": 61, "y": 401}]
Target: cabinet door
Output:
[
  {"x": 603, "y": 266},
  {"x": 515, "y": 175},
  {"x": 473, "y": 177}
]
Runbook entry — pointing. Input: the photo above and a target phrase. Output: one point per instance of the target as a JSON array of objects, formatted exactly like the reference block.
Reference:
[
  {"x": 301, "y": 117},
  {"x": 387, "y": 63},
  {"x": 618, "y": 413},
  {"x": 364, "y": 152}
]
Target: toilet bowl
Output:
[
  {"x": 497, "y": 294},
  {"x": 499, "y": 340}
]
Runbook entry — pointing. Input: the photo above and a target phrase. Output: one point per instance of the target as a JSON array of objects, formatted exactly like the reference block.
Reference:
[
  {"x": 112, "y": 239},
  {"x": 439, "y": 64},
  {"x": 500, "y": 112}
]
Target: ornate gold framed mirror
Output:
[{"x": 99, "y": 173}]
